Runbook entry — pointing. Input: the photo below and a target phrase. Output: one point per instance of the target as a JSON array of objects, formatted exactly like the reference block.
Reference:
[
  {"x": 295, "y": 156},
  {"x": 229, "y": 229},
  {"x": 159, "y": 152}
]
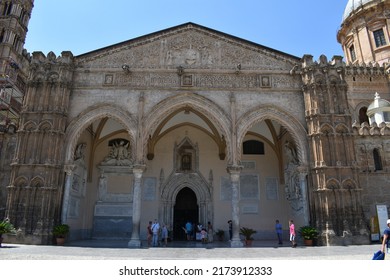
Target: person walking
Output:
[
  {"x": 155, "y": 230},
  {"x": 386, "y": 239},
  {"x": 292, "y": 233},
  {"x": 279, "y": 231}
]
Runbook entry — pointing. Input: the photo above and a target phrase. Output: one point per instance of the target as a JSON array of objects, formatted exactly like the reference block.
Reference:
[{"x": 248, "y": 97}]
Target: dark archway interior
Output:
[{"x": 186, "y": 209}]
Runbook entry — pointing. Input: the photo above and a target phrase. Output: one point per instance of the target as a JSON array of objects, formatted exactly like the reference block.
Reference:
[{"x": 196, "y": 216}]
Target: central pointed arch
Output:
[{"x": 198, "y": 104}]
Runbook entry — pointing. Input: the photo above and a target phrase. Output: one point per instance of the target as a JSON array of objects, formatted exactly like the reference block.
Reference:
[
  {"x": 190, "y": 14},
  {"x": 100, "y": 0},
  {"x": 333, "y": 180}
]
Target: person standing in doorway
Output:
[
  {"x": 210, "y": 232},
  {"x": 230, "y": 229},
  {"x": 279, "y": 231},
  {"x": 386, "y": 239},
  {"x": 164, "y": 235},
  {"x": 150, "y": 233},
  {"x": 189, "y": 229},
  {"x": 155, "y": 230},
  {"x": 292, "y": 233}
]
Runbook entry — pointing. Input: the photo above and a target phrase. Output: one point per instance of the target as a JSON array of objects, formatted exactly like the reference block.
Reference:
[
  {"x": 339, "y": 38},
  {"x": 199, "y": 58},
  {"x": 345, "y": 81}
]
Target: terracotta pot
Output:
[
  {"x": 248, "y": 242},
  {"x": 308, "y": 242},
  {"x": 60, "y": 241}
]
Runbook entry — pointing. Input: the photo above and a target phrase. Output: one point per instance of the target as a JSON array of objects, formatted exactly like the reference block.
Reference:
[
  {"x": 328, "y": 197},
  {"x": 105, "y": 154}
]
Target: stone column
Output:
[
  {"x": 234, "y": 171},
  {"x": 68, "y": 184},
  {"x": 304, "y": 192},
  {"x": 135, "y": 234}
]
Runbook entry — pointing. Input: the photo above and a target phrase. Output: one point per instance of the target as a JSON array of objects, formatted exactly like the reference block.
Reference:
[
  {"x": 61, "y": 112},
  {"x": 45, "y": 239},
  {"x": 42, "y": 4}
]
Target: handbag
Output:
[{"x": 378, "y": 256}]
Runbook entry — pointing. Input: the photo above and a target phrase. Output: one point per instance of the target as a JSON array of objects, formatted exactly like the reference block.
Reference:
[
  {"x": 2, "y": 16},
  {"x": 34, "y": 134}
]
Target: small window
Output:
[
  {"x": 363, "y": 115},
  {"x": 352, "y": 53},
  {"x": 377, "y": 160},
  {"x": 379, "y": 37},
  {"x": 253, "y": 147}
]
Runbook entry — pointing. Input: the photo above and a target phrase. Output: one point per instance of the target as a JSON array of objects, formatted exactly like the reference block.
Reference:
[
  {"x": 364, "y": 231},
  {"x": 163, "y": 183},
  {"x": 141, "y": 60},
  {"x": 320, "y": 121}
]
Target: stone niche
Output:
[{"x": 113, "y": 210}]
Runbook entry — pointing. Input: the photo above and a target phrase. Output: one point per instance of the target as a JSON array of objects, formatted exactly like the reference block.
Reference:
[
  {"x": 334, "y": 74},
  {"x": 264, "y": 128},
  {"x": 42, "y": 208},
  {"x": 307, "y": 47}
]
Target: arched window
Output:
[
  {"x": 377, "y": 160},
  {"x": 363, "y": 115},
  {"x": 253, "y": 147}
]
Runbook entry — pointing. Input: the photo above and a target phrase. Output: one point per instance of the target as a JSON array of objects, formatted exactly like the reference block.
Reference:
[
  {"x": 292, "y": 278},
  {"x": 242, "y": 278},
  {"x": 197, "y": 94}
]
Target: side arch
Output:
[
  {"x": 294, "y": 127},
  {"x": 79, "y": 124}
]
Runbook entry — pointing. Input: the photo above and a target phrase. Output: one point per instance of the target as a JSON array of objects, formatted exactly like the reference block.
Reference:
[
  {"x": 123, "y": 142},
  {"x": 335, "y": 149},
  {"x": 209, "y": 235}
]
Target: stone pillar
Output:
[
  {"x": 135, "y": 234},
  {"x": 68, "y": 184},
  {"x": 234, "y": 171},
  {"x": 304, "y": 193}
]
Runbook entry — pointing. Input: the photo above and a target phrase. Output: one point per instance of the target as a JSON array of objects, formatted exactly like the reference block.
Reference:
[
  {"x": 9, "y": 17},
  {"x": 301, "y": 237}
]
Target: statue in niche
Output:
[
  {"x": 119, "y": 154},
  {"x": 186, "y": 162},
  {"x": 80, "y": 151},
  {"x": 292, "y": 178}
]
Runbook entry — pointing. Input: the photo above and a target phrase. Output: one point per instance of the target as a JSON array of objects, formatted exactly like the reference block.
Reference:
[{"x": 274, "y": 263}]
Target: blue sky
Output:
[{"x": 296, "y": 27}]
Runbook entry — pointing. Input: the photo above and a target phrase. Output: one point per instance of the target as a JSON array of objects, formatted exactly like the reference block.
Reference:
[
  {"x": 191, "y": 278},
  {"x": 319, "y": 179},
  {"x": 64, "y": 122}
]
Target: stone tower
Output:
[
  {"x": 14, "y": 60},
  {"x": 37, "y": 170},
  {"x": 336, "y": 194}
]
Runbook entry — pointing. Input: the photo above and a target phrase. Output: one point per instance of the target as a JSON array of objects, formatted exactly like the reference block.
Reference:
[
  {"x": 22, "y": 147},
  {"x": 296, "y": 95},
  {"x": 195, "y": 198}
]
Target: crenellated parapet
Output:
[{"x": 365, "y": 129}]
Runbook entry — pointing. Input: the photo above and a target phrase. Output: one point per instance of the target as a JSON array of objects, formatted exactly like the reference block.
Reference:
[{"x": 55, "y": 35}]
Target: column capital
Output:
[
  {"x": 68, "y": 168},
  {"x": 139, "y": 168},
  {"x": 234, "y": 169}
]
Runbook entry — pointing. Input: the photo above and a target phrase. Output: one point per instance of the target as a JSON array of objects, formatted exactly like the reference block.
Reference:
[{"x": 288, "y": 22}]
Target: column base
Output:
[
  {"x": 236, "y": 243},
  {"x": 134, "y": 243}
]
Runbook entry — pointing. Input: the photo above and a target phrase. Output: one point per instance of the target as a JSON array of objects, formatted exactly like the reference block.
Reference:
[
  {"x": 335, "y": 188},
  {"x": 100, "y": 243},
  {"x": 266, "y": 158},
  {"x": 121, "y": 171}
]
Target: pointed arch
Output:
[
  {"x": 217, "y": 119},
  {"x": 293, "y": 126},
  {"x": 37, "y": 181},
  {"x": 80, "y": 123}
]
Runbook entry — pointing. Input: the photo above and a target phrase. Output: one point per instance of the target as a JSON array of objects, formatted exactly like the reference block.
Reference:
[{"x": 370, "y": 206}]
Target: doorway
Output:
[{"x": 186, "y": 209}]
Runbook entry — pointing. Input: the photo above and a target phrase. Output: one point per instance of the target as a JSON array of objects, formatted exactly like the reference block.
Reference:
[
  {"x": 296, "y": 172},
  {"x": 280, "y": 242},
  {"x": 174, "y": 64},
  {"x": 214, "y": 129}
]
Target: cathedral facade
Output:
[{"x": 192, "y": 124}]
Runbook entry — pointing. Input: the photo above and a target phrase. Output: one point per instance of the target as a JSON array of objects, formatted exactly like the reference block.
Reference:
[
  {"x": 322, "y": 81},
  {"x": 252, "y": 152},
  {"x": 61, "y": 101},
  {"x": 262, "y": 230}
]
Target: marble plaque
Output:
[
  {"x": 149, "y": 188},
  {"x": 114, "y": 210},
  {"x": 249, "y": 186},
  {"x": 73, "y": 207},
  {"x": 249, "y": 165},
  {"x": 249, "y": 209},
  {"x": 271, "y": 187},
  {"x": 226, "y": 189}
]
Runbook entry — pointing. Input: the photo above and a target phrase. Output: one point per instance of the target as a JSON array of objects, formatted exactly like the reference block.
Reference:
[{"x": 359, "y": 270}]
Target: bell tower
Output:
[{"x": 14, "y": 61}]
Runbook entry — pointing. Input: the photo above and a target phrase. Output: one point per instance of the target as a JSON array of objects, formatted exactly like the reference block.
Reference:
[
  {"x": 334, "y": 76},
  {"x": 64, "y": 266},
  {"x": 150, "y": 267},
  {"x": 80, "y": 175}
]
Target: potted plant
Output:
[
  {"x": 5, "y": 227},
  {"x": 308, "y": 233},
  {"x": 60, "y": 232},
  {"x": 247, "y": 233},
  {"x": 220, "y": 234}
]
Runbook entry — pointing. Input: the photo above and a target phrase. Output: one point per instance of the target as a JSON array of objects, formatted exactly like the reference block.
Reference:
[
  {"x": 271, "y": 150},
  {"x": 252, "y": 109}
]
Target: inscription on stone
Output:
[
  {"x": 226, "y": 189},
  {"x": 149, "y": 188},
  {"x": 249, "y": 186},
  {"x": 271, "y": 187}
]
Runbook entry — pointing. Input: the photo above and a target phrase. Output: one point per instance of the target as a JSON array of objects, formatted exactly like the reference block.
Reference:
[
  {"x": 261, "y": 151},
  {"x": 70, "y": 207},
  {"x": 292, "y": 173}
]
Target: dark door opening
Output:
[{"x": 186, "y": 209}]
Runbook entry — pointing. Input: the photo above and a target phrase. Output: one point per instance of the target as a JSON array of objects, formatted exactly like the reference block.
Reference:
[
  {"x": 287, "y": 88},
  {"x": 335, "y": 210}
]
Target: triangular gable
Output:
[{"x": 190, "y": 46}]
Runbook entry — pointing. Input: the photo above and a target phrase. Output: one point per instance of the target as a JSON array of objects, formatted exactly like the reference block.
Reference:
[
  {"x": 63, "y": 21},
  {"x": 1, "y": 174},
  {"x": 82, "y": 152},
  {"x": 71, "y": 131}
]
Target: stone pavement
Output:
[{"x": 118, "y": 250}]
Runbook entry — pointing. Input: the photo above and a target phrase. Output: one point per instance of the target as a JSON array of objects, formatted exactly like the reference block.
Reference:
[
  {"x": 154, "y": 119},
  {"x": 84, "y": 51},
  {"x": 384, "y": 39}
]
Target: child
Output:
[
  {"x": 203, "y": 234},
  {"x": 292, "y": 233}
]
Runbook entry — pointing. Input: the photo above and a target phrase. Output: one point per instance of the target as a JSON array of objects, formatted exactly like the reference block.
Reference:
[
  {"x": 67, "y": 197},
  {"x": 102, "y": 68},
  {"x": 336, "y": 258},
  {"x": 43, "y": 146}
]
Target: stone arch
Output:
[
  {"x": 204, "y": 106},
  {"x": 293, "y": 126},
  {"x": 37, "y": 182},
  {"x": 326, "y": 129},
  {"x": 193, "y": 181},
  {"x": 21, "y": 182},
  {"x": 78, "y": 125},
  {"x": 45, "y": 125},
  {"x": 341, "y": 128},
  {"x": 30, "y": 126},
  {"x": 349, "y": 184},
  {"x": 332, "y": 184}
]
